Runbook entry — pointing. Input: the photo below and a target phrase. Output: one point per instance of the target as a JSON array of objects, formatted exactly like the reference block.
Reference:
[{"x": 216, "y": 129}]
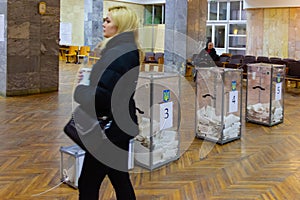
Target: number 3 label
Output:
[{"x": 166, "y": 115}]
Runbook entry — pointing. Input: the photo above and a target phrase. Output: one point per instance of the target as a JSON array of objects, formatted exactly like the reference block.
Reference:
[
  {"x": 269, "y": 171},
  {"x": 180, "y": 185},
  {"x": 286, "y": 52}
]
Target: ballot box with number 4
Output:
[
  {"x": 265, "y": 93},
  {"x": 157, "y": 99},
  {"x": 218, "y": 104}
]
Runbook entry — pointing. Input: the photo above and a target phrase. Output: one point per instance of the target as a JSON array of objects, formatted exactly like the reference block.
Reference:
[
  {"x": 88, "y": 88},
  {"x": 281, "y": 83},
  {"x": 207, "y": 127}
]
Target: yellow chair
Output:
[
  {"x": 72, "y": 54},
  {"x": 62, "y": 52},
  {"x": 93, "y": 57},
  {"x": 83, "y": 52},
  {"x": 151, "y": 67}
]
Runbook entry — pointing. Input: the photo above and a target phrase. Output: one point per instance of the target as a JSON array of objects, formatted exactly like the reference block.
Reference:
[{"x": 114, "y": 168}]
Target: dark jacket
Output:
[
  {"x": 205, "y": 59},
  {"x": 113, "y": 81},
  {"x": 213, "y": 54}
]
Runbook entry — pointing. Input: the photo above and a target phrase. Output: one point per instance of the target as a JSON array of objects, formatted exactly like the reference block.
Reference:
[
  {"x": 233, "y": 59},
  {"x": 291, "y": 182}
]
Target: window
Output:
[
  {"x": 217, "y": 10},
  {"x": 154, "y": 14},
  {"x": 237, "y": 29},
  {"x": 213, "y": 9},
  {"x": 236, "y": 11},
  {"x": 226, "y": 26},
  {"x": 219, "y": 40},
  {"x": 237, "y": 38},
  {"x": 222, "y": 10},
  {"x": 153, "y": 31}
]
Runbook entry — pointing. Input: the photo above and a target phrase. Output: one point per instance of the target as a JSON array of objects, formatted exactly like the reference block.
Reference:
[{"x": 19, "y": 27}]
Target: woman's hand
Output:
[{"x": 83, "y": 76}]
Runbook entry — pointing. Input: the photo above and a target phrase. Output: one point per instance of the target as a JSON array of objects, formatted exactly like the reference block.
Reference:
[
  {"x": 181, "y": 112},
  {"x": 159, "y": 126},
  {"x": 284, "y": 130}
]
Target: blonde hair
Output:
[{"x": 126, "y": 20}]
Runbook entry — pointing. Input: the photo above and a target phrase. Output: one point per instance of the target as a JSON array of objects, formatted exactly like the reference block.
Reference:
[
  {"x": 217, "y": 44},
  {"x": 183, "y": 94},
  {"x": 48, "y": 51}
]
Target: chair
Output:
[
  {"x": 72, "y": 53},
  {"x": 263, "y": 59},
  {"x": 237, "y": 56},
  {"x": 93, "y": 57},
  {"x": 226, "y": 54},
  {"x": 149, "y": 57},
  {"x": 223, "y": 60},
  {"x": 294, "y": 70},
  {"x": 248, "y": 59},
  {"x": 83, "y": 52},
  {"x": 276, "y": 60},
  {"x": 159, "y": 57},
  {"x": 293, "y": 73},
  {"x": 62, "y": 52},
  {"x": 151, "y": 67},
  {"x": 234, "y": 62},
  {"x": 289, "y": 60}
]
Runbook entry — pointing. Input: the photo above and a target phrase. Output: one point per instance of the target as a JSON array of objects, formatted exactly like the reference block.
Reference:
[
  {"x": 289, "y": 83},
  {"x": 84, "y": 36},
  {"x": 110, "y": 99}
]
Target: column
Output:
[{"x": 29, "y": 50}]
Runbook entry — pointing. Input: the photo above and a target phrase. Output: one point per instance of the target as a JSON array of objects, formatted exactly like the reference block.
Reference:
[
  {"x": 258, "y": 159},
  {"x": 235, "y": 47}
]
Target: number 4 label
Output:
[
  {"x": 233, "y": 101},
  {"x": 166, "y": 115}
]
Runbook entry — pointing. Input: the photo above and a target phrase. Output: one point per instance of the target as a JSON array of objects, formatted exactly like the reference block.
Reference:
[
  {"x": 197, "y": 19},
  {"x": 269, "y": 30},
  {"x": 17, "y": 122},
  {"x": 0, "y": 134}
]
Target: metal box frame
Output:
[
  {"x": 265, "y": 93},
  {"x": 218, "y": 104},
  {"x": 159, "y": 140},
  {"x": 71, "y": 164}
]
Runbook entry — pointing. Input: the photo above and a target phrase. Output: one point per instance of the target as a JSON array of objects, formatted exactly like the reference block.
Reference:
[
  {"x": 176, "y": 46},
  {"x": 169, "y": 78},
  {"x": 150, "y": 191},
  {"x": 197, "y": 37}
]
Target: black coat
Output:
[
  {"x": 113, "y": 81},
  {"x": 213, "y": 54},
  {"x": 205, "y": 59}
]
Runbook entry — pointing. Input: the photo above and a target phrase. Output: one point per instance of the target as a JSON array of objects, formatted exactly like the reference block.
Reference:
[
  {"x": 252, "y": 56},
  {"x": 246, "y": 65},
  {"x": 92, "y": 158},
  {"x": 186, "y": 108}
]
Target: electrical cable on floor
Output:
[{"x": 66, "y": 179}]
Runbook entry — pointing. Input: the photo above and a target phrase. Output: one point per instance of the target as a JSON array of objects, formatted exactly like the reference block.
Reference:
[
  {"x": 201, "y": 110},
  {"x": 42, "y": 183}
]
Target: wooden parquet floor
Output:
[{"x": 263, "y": 164}]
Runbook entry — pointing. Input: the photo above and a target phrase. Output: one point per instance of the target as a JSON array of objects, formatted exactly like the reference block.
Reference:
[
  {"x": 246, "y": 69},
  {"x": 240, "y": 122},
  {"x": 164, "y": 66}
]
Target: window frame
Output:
[
  {"x": 162, "y": 6},
  {"x": 228, "y": 22}
]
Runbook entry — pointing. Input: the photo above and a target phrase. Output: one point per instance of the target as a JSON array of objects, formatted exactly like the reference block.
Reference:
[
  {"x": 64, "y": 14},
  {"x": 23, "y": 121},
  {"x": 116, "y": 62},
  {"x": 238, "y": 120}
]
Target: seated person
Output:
[
  {"x": 207, "y": 56},
  {"x": 211, "y": 51}
]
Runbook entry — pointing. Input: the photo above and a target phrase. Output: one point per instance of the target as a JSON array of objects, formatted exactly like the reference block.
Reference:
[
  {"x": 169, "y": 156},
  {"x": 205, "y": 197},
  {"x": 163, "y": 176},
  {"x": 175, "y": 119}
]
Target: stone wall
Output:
[
  {"x": 175, "y": 35},
  {"x": 196, "y": 26},
  {"x": 3, "y": 46},
  {"x": 32, "y": 48},
  {"x": 93, "y": 10},
  {"x": 273, "y": 32}
]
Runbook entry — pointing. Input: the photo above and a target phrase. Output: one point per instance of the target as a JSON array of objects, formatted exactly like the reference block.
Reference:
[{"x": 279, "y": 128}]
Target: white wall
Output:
[{"x": 72, "y": 13}]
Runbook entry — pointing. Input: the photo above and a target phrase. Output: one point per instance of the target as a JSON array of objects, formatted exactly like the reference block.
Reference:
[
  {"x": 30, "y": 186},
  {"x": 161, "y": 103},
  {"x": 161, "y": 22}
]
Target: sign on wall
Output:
[
  {"x": 65, "y": 33},
  {"x": 2, "y": 27}
]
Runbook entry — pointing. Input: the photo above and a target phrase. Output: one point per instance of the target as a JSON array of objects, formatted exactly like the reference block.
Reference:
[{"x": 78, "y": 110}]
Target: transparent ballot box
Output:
[
  {"x": 218, "y": 104},
  {"x": 265, "y": 93},
  {"x": 157, "y": 98},
  {"x": 71, "y": 164}
]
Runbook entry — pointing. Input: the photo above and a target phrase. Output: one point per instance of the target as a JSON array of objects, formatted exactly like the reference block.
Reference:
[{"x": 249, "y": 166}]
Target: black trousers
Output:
[{"x": 92, "y": 174}]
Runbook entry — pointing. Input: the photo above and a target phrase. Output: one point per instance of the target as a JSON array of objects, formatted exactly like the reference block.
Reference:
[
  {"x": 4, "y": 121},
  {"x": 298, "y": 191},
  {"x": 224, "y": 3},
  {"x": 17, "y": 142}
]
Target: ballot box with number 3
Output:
[
  {"x": 157, "y": 99},
  {"x": 218, "y": 104},
  {"x": 265, "y": 93}
]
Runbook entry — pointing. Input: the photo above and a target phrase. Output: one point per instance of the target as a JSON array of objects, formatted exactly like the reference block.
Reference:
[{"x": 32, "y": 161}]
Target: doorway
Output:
[{"x": 217, "y": 34}]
